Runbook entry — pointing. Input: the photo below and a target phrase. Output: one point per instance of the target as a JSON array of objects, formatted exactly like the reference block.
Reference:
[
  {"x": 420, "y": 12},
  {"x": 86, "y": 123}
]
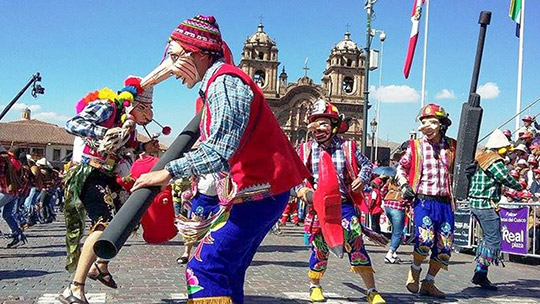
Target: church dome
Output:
[
  {"x": 260, "y": 37},
  {"x": 346, "y": 44}
]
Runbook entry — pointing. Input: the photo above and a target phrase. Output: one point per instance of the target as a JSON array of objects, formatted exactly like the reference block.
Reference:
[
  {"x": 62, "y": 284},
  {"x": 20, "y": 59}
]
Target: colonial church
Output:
[{"x": 341, "y": 83}]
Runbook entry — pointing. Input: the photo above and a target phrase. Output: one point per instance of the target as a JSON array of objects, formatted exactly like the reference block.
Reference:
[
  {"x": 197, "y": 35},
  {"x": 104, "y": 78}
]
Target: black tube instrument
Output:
[{"x": 471, "y": 118}]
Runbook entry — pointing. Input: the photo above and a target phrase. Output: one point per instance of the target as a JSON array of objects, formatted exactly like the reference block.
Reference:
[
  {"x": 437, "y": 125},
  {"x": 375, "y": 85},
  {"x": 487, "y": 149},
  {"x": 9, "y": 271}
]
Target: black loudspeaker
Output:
[{"x": 469, "y": 129}]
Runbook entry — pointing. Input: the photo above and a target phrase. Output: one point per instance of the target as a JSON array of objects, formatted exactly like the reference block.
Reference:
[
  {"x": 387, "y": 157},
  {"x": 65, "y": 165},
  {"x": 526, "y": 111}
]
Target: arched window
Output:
[
  {"x": 348, "y": 85},
  {"x": 304, "y": 109},
  {"x": 260, "y": 78},
  {"x": 261, "y": 55}
]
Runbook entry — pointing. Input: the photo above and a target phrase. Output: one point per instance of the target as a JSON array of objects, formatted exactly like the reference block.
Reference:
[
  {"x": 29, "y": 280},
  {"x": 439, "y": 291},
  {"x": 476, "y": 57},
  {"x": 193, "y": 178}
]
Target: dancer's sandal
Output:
[
  {"x": 104, "y": 277},
  {"x": 72, "y": 299},
  {"x": 182, "y": 260}
]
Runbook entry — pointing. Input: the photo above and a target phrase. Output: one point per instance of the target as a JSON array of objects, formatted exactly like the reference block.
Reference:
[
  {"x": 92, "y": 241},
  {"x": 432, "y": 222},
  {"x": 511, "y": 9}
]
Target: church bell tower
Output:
[
  {"x": 260, "y": 61},
  {"x": 343, "y": 80}
]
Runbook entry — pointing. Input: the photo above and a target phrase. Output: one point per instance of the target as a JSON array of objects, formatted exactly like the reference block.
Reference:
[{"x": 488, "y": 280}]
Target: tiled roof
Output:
[
  {"x": 34, "y": 131},
  {"x": 40, "y": 132}
]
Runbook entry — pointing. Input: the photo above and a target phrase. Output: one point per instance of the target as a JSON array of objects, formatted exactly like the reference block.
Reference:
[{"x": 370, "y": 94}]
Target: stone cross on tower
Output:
[
  {"x": 306, "y": 68},
  {"x": 348, "y": 26},
  {"x": 261, "y": 18}
]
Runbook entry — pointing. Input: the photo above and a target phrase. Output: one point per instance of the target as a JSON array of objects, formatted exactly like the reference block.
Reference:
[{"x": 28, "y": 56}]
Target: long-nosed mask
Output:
[
  {"x": 322, "y": 130},
  {"x": 179, "y": 63}
]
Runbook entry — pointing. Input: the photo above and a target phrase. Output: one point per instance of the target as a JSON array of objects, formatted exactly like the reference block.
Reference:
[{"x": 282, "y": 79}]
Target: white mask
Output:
[
  {"x": 184, "y": 68},
  {"x": 178, "y": 63},
  {"x": 430, "y": 127}
]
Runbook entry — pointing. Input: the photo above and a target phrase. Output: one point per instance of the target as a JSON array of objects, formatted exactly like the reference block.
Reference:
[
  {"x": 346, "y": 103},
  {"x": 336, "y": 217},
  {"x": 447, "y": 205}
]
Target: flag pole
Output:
[
  {"x": 422, "y": 102},
  {"x": 520, "y": 62}
]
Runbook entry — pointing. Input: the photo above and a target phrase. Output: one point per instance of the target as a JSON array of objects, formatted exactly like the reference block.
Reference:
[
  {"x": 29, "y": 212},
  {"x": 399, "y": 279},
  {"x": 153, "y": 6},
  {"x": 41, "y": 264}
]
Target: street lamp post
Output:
[
  {"x": 382, "y": 38},
  {"x": 373, "y": 124},
  {"x": 369, "y": 11},
  {"x": 369, "y": 4}
]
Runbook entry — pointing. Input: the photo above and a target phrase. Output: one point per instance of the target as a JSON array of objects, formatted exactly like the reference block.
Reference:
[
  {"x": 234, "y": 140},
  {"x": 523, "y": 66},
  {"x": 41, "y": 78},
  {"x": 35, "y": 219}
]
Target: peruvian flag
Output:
[{"x": 415, "y": 19}]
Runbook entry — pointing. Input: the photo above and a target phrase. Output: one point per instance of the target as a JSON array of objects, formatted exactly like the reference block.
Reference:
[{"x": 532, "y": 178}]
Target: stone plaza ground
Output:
[{"x": 145, "y": 273}]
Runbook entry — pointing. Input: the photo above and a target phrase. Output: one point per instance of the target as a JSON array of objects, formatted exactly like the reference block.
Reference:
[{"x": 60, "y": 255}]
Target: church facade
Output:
[{"x": 342, "y": 84}]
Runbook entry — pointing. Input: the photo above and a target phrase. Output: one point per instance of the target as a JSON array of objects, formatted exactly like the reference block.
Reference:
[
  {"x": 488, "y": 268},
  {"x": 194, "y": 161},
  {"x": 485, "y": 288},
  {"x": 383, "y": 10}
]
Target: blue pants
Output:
[
  {"x": 10, "y": 204},
  {"x": 397, "y": 218},
  {"x": 203, "y": 205},
  {"x": 217, "y": 268},
  {"x": 29, "y": 205},
  {"x": 354, "y": 246},
  {"x": 434, "y": 229},
  {"x": 489, "y": 250},
  {"x": 20, "y": 214}
]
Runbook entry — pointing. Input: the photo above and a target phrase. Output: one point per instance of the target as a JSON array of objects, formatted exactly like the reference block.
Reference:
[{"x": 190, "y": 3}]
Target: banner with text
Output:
[{"x": 514, "y": 230}]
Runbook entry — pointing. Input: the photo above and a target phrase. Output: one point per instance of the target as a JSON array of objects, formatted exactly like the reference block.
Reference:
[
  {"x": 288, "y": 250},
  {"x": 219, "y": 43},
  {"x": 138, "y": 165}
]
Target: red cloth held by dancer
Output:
[{"x": 158, "y": 221}]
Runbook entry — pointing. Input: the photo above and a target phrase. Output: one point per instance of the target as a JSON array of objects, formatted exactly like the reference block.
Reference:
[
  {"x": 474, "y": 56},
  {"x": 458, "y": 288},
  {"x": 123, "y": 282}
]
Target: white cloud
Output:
[
  {"x": 22, "y": 106},
  {"x": 489, "y": 90},
  {"x": 395, "y": 94},
  {"x": 50, "y": 117},
  {"x": 445, "y": 94}
]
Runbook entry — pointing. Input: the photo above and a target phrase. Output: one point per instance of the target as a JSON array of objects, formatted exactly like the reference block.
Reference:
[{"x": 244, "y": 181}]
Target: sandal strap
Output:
[
  {"x": 102, "y": 262},
  {"x": 75, "y": 283},
  {"x": 102, "y": 273}
]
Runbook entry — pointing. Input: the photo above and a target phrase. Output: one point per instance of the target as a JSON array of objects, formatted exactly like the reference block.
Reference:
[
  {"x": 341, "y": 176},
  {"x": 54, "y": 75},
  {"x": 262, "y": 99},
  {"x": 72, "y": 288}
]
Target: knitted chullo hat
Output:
[
  {"x": 146, "y": 96},
  {"x": 200, "y": 33}
]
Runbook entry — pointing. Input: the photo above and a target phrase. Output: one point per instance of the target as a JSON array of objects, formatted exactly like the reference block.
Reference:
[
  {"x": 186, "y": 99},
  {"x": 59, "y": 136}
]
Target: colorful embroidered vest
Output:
[{"x": 265, "y": 162}]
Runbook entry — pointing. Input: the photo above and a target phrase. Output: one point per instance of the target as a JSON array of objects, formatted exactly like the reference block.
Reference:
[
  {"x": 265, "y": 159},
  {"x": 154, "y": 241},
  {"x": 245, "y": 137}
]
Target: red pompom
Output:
[
  {"x": 136, "y": 82},
  {"x": 166, "y": 130}
]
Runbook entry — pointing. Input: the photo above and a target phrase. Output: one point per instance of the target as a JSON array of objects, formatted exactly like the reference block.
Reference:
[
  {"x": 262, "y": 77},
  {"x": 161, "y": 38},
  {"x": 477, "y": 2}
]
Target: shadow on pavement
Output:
[
  {"x": 17, "y": 274},
  {"x": 405, "y": 297},
  {"x": 284, "y": 248},
  {"x": 45, "y": 246},
  {"x": 522, "y": 287},
  {"x": 32, "y": 234},
  {"x": 17, "y": 255},
  {"x": 281, "y": 263},
  {"x": 355, "y": 287},
  {"x": 251, "y": 299}
]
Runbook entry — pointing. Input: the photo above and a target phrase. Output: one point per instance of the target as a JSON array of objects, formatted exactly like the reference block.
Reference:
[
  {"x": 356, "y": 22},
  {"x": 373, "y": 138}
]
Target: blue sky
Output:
[{"x": 82, "y": 46}]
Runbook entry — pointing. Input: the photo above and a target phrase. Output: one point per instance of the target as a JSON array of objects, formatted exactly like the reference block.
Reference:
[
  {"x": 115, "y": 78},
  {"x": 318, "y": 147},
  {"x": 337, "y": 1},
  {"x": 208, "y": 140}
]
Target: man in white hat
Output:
[{"x": 484, "y": 195}]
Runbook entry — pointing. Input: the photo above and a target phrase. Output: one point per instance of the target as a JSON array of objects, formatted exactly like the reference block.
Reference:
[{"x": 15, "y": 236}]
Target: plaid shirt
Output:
[
  {"x": 338, "y": 158},
  {"x": 229, "y": 101},
  {"x": 398, "y": 205},
  {"x": 88, "y": 122},
  {"x": 486, "y": 185},
  {"x": 435, "y": 168}
]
